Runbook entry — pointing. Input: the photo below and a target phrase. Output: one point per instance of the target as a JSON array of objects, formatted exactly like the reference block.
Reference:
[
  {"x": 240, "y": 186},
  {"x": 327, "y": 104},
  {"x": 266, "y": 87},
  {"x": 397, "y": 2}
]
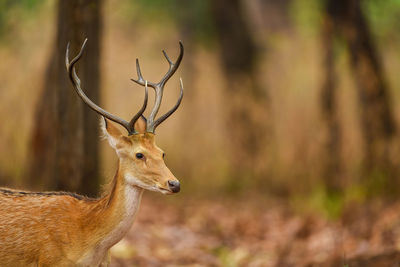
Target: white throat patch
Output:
[
  {"x": 132, "y": 180},
  {"x": 133, "y": 195}
]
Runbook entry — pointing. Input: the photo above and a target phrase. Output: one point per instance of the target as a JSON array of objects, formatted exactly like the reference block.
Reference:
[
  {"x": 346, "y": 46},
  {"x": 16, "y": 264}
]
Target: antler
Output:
[
  {"x": 152, "y": 123},
  {"x": 129, "y": 126}
]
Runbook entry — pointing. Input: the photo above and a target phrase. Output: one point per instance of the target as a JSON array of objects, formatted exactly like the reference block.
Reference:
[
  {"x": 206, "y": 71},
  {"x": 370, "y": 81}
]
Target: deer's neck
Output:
[{"x": 113, "y": 215}]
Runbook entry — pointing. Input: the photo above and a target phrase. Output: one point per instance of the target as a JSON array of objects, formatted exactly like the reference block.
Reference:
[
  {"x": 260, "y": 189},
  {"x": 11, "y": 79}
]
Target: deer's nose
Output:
[{"x": 174, "y": 185}]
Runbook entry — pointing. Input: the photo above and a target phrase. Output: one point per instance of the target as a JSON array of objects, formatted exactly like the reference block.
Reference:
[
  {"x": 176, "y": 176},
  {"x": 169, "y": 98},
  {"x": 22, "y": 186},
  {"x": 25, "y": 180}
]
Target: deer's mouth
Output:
[{"x": 165, "y": 191}]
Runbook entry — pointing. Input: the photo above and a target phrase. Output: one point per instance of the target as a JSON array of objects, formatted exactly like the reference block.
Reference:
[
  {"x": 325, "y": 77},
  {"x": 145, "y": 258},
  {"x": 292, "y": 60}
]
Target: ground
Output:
[{"x": 250, "y": 232}]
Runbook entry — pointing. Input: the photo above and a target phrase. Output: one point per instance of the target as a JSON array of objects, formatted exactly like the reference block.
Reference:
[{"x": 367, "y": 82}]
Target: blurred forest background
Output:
[{"x": 286, "y": 144}]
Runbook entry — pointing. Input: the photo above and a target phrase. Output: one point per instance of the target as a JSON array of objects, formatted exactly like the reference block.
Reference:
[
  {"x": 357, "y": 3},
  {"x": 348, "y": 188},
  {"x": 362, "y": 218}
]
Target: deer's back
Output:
[{"x": 38, "y": 228}]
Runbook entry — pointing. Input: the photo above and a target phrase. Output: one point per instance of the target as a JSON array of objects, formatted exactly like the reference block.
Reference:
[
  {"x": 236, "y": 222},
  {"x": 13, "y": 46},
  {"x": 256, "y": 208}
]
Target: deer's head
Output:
[{"x": 141, "y": 160}]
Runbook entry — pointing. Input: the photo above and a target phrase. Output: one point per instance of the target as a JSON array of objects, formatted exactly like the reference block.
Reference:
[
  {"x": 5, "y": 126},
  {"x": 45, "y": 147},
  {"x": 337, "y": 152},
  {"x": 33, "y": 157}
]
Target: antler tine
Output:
[
  {"x": 166, "y": 56},
  {"x": 152, "y": 124},
  {"x": 169, "y": 113},
  {"x": 172, "y": 66},
  {"x": 140, "y": 113},
  {"x": 77, "y": 85},
  {"x": 172, "y": 69},
  {"x": 140, "y": 79},
  {"x": 159, "y": 89}
]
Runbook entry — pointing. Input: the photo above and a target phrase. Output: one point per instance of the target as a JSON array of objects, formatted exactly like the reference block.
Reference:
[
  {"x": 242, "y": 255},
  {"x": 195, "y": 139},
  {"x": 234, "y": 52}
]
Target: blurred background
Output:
[{"x": 286, "y": 143}]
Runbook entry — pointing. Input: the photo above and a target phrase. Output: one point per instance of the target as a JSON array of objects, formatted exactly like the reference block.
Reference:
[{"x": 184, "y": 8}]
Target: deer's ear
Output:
[
  {"x": 141, "y": 124},
  {"x": 111, "y": 132}
]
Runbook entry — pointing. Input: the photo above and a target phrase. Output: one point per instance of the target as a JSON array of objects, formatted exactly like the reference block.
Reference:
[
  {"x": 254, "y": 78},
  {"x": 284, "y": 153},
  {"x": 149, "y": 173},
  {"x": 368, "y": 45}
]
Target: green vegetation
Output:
[{"x": 13, "y": 13}]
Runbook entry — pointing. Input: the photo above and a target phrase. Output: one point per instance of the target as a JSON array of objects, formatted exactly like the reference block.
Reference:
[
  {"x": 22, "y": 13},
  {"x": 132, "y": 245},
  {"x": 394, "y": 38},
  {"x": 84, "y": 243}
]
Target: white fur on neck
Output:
[{"x": 133, "y": 196}]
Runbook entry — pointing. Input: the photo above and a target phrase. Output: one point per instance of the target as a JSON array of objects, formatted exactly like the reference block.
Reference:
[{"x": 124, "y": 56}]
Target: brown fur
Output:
[
  {"x": 48, "y": 229},
  {"x": 64, "y": 229}
]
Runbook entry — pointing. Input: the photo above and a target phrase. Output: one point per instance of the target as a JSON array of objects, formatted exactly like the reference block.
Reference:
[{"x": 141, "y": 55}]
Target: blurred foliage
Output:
[
  {"x": 307, "y": 16},
  {"x": 180, "y": 14},
  {"x": 384, "y": 15},
  {"x": 13, "y": 13},
  {"x": 384, "y": 18}
]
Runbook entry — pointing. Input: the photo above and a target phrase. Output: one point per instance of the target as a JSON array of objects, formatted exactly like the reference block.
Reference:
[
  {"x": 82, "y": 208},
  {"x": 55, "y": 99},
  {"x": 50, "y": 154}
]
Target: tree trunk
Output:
[
  {"x": 331, "y": 162},
  {"x": 246, "y": 100},
  {"x": 376, "y": 116},
  {"x": 276, "y": 15},
  {"x": 64, "y": 147},
  {"x": 377, "y": 122}
]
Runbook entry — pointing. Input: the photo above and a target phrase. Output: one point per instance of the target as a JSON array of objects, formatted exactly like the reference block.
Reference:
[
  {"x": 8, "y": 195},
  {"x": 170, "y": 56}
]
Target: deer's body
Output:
[{"x": 64, "y": 229}]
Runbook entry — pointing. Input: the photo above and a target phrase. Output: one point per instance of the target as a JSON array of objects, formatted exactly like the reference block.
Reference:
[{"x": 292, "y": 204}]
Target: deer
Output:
[{"x": 67, "y": 229}]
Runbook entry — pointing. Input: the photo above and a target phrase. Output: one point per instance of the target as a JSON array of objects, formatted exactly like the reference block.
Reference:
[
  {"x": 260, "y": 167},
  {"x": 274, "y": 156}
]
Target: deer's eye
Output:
[
  {"x": 139, "y": 156},
  {"x": 163, "y": 155}
]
